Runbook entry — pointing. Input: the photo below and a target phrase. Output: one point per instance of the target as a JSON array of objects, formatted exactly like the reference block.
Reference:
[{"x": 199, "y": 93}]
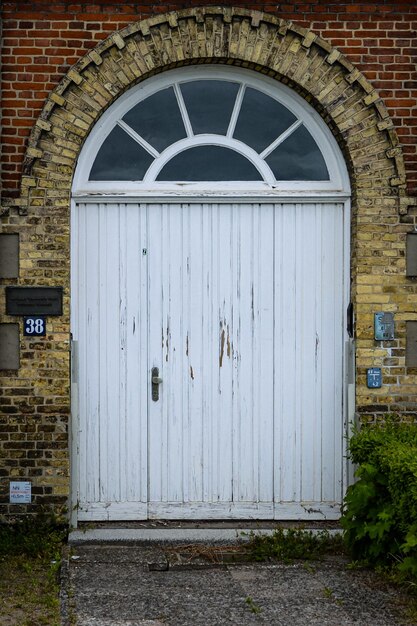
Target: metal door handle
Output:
[{"x": 156, "y": 381}]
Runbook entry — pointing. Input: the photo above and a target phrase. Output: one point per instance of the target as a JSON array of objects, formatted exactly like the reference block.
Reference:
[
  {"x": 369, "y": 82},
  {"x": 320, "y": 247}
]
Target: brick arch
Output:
[{"x": 290, "y": 53}]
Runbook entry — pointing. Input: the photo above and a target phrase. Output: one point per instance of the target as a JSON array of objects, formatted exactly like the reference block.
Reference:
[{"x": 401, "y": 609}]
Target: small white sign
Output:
[{"x": 20, "y": 492}]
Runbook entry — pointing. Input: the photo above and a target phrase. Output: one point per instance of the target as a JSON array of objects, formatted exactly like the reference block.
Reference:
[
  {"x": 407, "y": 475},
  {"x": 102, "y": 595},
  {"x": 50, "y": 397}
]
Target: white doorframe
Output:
[
  {"x": 348, "y": 386},
  {"x": 148, "y": 190}
]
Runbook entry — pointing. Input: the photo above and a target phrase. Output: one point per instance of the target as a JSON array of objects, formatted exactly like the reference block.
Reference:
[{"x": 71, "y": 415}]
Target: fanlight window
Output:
[{"x": 209, "y": 130}]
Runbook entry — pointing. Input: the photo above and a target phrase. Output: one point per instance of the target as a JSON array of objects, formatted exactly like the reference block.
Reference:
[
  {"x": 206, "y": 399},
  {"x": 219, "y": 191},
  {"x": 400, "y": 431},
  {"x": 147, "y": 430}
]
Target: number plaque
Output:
[{"x": 34, "y": 326}]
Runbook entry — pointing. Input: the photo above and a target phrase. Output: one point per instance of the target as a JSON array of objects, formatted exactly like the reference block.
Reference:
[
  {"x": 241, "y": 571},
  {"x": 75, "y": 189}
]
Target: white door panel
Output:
[{"x": 240, "y": 306}]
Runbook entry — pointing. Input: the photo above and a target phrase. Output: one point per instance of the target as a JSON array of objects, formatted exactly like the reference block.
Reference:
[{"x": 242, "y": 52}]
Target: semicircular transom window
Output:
[{"x": 210, "y": 129}]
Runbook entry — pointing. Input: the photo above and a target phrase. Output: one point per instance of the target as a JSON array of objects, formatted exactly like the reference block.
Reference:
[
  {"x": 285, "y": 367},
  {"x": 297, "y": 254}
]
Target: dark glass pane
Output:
[
  {"x": 298, "y": 158},
  {"x": 157, "y": 119},
  {"x": 209, "y": 105},
  {"x": 209, "y": 163},
  {"x": 261, "y": 120},
  {"x": 120, "y": 158}
]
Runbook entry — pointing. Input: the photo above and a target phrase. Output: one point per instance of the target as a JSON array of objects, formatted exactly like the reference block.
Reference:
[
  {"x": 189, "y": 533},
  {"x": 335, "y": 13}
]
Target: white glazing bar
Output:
[
  {"x": 280, "y": 139},
  {"x": 236, "y": 111},
  {"x": 183, "y": 111},
  {"x": 140, "y": 140}
]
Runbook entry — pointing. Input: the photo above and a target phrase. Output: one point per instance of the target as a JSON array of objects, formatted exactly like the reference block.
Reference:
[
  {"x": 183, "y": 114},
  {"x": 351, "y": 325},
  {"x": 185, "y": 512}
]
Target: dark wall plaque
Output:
[
  {"x": 411, "y": 267},
  {"x": 9, "y": 255},
  {"x": 411, "y": 345},
  {"x": 34, "y": 300}
]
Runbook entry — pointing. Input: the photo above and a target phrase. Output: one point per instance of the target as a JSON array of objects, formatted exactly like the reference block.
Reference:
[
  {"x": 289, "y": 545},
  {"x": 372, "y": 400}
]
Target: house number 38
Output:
[{"x": 34, "y": 326}]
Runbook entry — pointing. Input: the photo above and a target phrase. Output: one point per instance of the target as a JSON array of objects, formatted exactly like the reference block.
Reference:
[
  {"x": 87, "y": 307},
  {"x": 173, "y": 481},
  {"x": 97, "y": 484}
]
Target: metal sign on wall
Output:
[
  {"x": 384, "y": 326},
  {"x": 20, "y": 492},
  {"x": 34, "y": 301}
]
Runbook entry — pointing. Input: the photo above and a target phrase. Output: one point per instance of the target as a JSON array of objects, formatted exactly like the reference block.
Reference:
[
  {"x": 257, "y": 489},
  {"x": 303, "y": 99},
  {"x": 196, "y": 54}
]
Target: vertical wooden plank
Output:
[
  {"x": 195, "y": 347},
  {"x": 184, "y": 260},
  {"x": 342, "y": 290},
  {"x": 263, "y": 355},
  {"x": 135, "y": 437},
  {"x": 157, "y": 341},
  {"x": 320, "y": 237},
  {"x": 278, "y": 315},
  {"x": 225, "y": 270},
  {"x": 110, "y": 354},
  {"x": 309, "y": 288},
  {"x": 285, "y": 350},
  {"x": 332, "y": 316},
  {"x": 254, "y": 375},
  {"x": 123, "y": 348},
  {"x": 241, "y": 339},
  {"x": 173, "y": 354},
  {"x": 212, "y": 366},
  {"x": 233, "y": 337},
  {"x": 207, "y": 351},
  {"x": 79, "y": 330},
  {"x": 145, "y": 399},
  {"x": 92, "y": 355}
]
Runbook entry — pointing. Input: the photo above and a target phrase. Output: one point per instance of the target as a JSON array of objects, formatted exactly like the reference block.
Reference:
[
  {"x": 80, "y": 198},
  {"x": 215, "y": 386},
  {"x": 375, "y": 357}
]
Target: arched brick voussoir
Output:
[{"x": 293, "y": 54}]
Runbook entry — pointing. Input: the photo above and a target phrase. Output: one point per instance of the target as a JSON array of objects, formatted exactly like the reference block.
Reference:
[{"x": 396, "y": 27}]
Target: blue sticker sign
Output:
[
  {"x": 374, "y": 377},
  {"x": 34, "y": 326}
]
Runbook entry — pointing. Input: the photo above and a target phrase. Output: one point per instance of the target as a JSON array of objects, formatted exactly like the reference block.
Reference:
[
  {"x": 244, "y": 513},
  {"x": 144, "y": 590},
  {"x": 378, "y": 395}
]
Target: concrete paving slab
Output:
[{"x": 114, "y": 585}]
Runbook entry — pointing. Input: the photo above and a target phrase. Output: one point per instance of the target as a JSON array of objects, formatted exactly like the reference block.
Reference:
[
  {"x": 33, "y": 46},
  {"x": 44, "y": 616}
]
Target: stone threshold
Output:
[{"x": 170, "y": 534}]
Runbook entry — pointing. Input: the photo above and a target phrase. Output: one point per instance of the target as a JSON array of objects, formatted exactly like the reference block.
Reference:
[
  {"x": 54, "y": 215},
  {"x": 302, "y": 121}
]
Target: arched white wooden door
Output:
[{"x": 208, "y": 307}]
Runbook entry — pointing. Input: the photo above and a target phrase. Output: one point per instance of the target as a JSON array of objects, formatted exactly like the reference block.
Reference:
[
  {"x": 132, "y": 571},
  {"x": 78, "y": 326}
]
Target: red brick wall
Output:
[{"x": 43, "y": 38}]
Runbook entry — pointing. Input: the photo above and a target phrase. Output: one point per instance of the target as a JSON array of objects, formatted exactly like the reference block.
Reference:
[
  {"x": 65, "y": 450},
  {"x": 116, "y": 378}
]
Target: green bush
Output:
[{"x": 380, "y": 509}]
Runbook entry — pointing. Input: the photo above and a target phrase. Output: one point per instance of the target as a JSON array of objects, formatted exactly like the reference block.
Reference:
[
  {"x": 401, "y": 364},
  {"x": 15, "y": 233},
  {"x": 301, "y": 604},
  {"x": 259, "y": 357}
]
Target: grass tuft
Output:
[
  {"x": 289, "y": 544},
  {"x": 30, "y": 558}
]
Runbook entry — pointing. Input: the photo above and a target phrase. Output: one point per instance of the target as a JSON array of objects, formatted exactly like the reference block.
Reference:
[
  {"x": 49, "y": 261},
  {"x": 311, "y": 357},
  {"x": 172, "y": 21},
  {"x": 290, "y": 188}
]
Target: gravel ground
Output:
[{"x": 116, "y": 585}]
